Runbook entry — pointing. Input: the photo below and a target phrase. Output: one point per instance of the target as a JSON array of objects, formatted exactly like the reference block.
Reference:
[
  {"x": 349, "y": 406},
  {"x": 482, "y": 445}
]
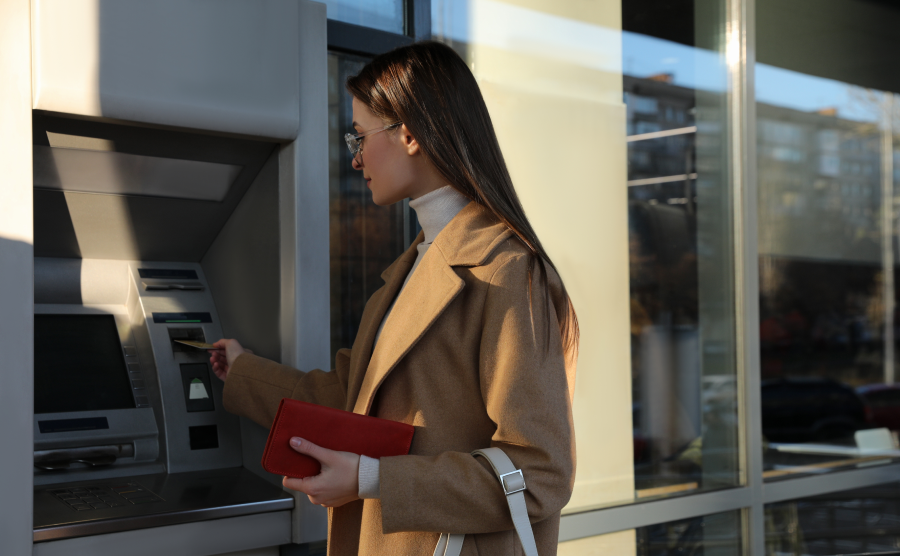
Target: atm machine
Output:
[{"x": 180, "y": 194}]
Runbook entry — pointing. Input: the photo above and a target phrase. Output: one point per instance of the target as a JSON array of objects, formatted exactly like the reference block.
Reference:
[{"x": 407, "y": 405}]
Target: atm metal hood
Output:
[{"x": 113, "y": 190}]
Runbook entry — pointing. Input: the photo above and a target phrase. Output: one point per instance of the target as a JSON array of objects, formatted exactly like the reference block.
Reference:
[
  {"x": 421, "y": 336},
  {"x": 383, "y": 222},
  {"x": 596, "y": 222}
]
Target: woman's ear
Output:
[{"x": 409, "y": 142}]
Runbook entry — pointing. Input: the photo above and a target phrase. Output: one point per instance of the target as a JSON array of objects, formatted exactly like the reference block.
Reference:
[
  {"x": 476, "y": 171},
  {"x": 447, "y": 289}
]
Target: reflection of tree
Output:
[{"x": 820, "y": 318}]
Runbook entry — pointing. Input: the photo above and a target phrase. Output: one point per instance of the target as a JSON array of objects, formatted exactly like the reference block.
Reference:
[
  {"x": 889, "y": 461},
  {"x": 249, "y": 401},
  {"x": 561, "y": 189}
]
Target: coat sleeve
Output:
[
  {"x": 526, "y": 390},
  {"x": 255, "y": 386}
]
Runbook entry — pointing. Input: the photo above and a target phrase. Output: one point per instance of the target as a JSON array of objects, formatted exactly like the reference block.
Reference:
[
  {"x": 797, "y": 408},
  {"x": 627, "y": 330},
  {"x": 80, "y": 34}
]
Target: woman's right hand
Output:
[{"x": 224, "y": 356}]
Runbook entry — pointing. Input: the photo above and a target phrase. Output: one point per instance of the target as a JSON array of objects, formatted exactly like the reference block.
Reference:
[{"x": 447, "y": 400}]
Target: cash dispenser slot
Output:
[{"x": 91, "y": 456}]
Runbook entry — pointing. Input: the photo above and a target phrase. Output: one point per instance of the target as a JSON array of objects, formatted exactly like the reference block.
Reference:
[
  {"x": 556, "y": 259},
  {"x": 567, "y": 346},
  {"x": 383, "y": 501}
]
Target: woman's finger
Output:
[{"x": 323, "y": 455}]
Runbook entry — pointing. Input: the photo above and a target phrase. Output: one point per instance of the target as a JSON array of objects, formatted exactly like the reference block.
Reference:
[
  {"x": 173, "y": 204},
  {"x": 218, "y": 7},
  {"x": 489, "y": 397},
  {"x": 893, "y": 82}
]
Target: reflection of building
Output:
[
  {"x": 820, "y": 189},
  {"x": 663, "y": 269},
  {"x": 654, "y": 106},
  {"x": 819, "y": 215}
]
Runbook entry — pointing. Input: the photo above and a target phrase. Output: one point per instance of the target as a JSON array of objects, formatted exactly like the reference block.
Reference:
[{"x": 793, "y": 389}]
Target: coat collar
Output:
[{"x": 468, "y": 240}]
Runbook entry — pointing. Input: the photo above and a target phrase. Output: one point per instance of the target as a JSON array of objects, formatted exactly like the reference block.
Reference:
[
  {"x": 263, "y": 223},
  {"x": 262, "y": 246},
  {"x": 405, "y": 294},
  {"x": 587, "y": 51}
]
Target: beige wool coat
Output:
[{"x": 460, "y": 360}]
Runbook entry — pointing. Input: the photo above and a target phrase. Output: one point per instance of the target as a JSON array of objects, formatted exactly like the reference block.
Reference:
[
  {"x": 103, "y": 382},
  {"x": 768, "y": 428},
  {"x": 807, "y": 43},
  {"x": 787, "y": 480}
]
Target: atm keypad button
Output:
[{"x": 144, "y": 500}]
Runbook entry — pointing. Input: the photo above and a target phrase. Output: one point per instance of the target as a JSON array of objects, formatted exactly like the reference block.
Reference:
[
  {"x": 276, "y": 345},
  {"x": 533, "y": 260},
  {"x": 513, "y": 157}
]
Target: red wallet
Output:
[{"x": 329, "y": 428}]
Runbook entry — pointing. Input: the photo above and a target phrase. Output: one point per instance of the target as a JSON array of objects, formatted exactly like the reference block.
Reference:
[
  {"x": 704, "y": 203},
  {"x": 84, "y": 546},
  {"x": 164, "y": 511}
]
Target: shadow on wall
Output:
[{"x": 16, "y": 393}]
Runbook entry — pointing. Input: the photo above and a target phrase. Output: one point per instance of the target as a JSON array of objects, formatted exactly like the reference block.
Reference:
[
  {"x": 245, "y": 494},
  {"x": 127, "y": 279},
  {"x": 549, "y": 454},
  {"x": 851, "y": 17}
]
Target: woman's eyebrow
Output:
[{"x": 354, "y": 124}]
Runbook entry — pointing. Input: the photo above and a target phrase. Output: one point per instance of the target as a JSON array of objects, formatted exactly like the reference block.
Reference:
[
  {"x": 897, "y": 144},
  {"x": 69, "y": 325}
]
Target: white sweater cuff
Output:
[{"x": 369, "y": 483}]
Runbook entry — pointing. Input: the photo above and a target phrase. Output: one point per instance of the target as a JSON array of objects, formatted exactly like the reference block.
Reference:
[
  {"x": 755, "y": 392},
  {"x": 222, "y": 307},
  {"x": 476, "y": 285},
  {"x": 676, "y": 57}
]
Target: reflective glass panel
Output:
[
  {"x": 716, "y": 534},
  {"x": 386, "y": 15},
  {"x": 365, "y": 238},
  {"x": 679, "y": 214},
  {"x": 853, "y": 522},
  {"x": 827, "y": 233},
  {"x": 613, "y": 123}
]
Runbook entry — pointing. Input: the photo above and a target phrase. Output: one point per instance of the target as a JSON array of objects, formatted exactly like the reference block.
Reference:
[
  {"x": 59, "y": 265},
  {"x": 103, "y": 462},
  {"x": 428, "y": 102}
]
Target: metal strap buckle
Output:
[{"x": 506, "y": 489}]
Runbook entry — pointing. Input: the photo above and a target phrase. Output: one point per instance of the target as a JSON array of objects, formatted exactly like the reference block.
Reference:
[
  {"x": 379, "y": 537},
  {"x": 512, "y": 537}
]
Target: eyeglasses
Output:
[{"x": 354, "y": 142}]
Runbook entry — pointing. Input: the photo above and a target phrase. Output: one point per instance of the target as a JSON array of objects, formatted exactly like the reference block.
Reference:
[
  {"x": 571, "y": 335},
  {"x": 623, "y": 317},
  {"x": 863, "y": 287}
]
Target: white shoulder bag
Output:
[{"x": 513, "y": 484}]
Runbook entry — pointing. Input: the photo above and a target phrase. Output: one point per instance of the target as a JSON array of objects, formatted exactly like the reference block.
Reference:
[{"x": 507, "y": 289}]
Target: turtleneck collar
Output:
[{"x": 436, "y": 209}]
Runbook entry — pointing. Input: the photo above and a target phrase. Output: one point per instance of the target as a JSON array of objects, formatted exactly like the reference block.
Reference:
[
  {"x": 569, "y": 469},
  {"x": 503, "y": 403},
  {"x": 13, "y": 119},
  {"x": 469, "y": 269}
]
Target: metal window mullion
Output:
[
  {"x": 642, "y": 514},
  {"x": 418, "y": 19},
  {"x": 887, "y": 233},
  {"x": 741, "y": 55},
  {"x": 804, "y": 487},
  {"x": 365, "y": 41}
]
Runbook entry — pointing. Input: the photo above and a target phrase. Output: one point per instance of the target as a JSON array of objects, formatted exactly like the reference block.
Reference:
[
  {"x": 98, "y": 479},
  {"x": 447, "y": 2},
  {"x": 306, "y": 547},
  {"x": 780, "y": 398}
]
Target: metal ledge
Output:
[
  {"x": 619, "y": 518},
  {"x": 827, "y": 483},
  {"x": 180, "y": 498},
  {"x": 160, "y": 520},
  {"x": 189, "y": 539}
]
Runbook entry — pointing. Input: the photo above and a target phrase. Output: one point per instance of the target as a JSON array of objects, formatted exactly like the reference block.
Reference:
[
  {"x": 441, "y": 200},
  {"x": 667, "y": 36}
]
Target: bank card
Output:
[{"x": 198, "y": 345}]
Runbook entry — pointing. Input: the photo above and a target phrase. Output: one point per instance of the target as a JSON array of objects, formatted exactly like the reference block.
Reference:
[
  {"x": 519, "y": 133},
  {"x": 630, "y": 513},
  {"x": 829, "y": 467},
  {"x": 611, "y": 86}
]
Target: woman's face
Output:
[{"x": 390, "y": 160}]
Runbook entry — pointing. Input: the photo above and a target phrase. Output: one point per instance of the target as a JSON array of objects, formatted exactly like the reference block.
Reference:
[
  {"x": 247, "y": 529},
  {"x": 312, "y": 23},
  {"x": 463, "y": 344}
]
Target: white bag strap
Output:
[{"x": 513, "y": 484}]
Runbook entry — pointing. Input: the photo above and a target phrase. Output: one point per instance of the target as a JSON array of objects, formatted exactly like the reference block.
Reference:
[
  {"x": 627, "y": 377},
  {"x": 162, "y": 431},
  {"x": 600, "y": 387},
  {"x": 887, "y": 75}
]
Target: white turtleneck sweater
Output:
[{"x": 435, "y": 210}]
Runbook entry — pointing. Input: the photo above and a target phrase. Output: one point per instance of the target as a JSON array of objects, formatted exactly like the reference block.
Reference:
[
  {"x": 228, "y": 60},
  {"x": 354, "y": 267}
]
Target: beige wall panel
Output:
[
  {"x": 16, "y": 279},
  {"x": 561, "y": 123},
  {"x": 621, "y": 543}
]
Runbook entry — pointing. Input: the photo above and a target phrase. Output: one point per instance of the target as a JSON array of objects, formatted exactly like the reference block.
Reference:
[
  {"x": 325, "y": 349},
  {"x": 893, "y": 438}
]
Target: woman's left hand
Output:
[{"x": 338, "y": 481}]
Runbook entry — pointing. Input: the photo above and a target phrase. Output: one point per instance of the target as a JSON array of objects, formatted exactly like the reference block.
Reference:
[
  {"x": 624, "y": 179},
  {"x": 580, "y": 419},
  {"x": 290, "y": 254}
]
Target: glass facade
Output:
[
  {"x": 717, "y": 182},
  {"x": 827, "y": 243}
]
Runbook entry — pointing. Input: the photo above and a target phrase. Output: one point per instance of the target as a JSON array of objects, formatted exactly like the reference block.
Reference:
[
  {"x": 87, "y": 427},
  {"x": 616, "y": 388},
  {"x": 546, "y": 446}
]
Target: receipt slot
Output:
[
  {"x": 197, "y": 388},
  {"x": 180, "y": 195}
]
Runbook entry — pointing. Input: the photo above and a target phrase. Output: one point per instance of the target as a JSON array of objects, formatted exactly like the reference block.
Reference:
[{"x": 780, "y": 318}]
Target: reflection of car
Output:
[
  {"x": 884, "y": 399},
  {"x": 811, "y": 409}
]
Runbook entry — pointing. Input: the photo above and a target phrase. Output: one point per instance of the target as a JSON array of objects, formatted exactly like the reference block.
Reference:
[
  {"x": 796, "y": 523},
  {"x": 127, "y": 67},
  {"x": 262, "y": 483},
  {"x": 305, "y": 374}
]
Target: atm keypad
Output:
[{"x": 101, "y": 498}]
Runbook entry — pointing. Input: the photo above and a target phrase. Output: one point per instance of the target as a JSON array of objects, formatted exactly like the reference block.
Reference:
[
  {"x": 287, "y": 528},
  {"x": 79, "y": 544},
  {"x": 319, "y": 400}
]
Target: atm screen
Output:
[{"x": 79, "y": 364}]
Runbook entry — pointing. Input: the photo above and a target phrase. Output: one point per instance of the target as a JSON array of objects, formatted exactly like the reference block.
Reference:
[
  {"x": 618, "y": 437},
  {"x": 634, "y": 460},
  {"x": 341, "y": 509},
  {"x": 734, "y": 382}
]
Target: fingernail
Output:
[{"x": 295, "y": 442}]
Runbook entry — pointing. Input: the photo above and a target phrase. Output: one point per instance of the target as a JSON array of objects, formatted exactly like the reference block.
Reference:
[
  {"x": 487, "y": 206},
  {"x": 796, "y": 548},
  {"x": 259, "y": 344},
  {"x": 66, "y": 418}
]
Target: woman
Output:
[{"x": 472, "y": 339}]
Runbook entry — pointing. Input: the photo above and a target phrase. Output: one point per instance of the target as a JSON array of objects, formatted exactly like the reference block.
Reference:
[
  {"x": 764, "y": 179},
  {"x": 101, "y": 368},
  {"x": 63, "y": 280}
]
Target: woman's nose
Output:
[{"x": 357, "y": 161}]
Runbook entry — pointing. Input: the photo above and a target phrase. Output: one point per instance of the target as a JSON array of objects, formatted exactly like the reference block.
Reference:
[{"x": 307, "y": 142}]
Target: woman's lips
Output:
[{"x": 368, "y": 182}]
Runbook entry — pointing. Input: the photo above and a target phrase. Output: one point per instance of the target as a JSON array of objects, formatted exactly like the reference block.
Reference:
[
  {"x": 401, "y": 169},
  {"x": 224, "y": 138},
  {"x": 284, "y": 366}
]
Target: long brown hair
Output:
[{"x": 428, "y": 87}]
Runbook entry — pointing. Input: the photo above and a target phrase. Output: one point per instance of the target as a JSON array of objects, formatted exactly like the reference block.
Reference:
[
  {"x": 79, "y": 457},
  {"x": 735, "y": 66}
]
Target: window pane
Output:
[
  {"x": 717, "y": 534},
  {"x": 679, "y": 208},
  {"x": 826, "y": 235},
  {"x": 386, "y": 15},
  {"x": 365, "y": 238},
  {"x": 853, "y": 522},
  {"x": 640, "y": 185}
]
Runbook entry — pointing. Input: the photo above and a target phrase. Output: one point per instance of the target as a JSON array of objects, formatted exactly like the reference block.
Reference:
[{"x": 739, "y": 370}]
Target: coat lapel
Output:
[
  {"x": 431, "y": 288},
  {"x": 393, "y": 278}
]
